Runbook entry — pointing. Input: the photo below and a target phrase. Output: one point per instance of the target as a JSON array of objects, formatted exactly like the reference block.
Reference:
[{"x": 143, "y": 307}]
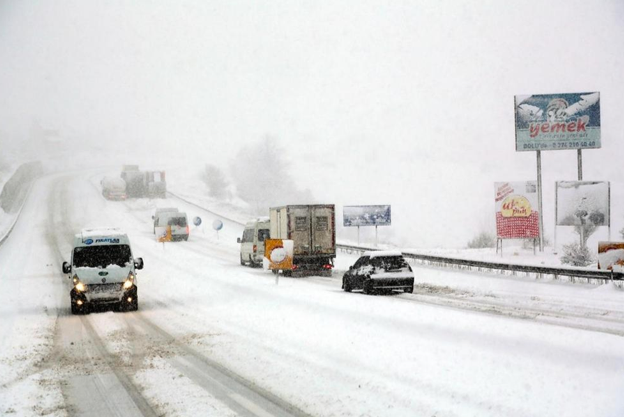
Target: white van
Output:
[
  {"x": 178, "y": 222},
  {"x": 160, "y": 212},
  {"x": 103, "y": 271},
  {"x": 252, "y": 243}
]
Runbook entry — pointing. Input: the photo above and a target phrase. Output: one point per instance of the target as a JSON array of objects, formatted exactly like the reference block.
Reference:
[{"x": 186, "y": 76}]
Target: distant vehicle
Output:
[
  {"x": 144, "y": 184},
  {"x": 379, "y": 270},
  {"x": 312, "y": 228},
  {"x": 113, "y": 188},
  {"x": 178, "y": 222},
  {"x": 252, "y": 243},
  {"x": 162, "y": 211},
  {"x": 103, "y": 271}
]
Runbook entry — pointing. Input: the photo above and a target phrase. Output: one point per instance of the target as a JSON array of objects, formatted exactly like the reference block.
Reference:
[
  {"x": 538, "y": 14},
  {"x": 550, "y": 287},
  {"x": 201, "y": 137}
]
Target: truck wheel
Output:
[{"x": 346, "y": 285}]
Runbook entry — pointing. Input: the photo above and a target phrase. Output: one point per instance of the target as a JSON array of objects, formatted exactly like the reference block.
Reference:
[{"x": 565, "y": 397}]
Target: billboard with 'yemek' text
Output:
[{"x": 557, "y": 121}]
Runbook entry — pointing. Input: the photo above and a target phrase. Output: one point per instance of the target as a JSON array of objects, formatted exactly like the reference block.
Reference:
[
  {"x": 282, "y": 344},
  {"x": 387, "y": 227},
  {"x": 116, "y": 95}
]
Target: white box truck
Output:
[{"x": 312, "y": 228}]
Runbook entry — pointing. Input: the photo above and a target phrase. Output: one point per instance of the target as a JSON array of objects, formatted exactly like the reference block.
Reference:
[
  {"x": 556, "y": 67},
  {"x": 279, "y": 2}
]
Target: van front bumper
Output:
[{"x": 96, "y": 295}]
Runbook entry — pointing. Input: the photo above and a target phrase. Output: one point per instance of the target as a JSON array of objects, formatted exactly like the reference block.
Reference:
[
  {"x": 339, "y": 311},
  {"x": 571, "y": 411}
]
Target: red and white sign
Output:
[{"x": 516, "y": 210}]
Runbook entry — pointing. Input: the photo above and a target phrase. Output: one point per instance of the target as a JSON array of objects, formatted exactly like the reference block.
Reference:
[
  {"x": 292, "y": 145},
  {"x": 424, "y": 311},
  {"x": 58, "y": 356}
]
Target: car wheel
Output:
[
  {"x": 346, "y": 285},
  {"x": 368, "y": 287},
  {"x": 409, "y": 289}
]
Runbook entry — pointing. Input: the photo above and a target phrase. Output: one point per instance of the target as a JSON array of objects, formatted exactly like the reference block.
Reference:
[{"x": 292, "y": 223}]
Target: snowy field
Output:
[{"x": 214, "y": 338}]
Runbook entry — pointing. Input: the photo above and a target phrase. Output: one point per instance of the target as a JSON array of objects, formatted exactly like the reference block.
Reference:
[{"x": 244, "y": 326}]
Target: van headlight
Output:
[
  {"x": 80, "y": 287},
  {"x": 129, "y": 282}
]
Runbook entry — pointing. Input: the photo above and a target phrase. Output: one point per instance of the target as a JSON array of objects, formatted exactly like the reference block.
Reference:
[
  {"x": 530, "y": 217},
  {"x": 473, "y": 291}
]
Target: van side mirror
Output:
[
  {"x": 66, "y": 268},
  {"x": 138, "y": 263},
  {"x": 238, "y": 240}
]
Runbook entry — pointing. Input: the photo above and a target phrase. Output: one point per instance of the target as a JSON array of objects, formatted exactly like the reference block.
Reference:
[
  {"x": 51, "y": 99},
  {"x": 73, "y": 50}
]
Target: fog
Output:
[{"x": 369, "y": 102}]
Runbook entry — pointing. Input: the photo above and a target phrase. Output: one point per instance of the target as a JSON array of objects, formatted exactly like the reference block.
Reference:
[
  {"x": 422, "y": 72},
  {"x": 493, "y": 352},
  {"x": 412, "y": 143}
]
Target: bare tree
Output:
[
  {"x": 216, "y": 182},
  {"x": 261, "y": 176}
]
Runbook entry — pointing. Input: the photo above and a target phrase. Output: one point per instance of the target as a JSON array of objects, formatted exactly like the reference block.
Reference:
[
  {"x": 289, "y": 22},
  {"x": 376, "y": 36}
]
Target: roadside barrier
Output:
[{"x": 540, "y": 272}]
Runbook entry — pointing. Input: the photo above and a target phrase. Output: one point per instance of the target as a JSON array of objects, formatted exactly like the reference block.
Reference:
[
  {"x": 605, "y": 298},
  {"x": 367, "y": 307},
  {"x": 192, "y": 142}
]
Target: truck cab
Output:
[
  {"x": 103, "y": 271},
  {"x": 252, "y": 243}
]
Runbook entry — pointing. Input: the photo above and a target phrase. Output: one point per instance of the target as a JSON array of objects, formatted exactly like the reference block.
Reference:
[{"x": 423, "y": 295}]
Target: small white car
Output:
[{"x": 103, "y": 271}]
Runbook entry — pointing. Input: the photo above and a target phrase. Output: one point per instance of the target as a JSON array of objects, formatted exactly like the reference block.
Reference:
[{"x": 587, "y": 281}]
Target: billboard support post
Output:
[
  {"x": 579, "y": 157},
  {"x": 539, "y": 200},
  {"x": 376, "y": 236},
  {"x": 556, "y": 219}
]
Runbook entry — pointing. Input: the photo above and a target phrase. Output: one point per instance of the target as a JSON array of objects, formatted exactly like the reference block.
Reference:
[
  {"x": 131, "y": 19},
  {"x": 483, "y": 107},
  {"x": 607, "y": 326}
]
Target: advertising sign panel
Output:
[
  {"x": 366, "y": 215},
  {"x": 582, "y": 202},
  {"x": 557, "y": 121},
  {"x": 516, "y": 210},
  {"x": 278, "y": 254},
  {"x": 611, "y": 256}
]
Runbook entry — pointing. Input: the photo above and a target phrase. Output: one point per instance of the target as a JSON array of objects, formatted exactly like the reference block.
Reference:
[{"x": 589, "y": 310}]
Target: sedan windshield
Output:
[{"x": 102, "y": 256}]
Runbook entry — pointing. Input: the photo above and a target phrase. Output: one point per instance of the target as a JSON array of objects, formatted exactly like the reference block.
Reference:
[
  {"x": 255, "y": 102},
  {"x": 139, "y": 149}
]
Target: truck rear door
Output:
[
  {"x": 322, "y": 229},
  {"x": 299, "y": 218}
]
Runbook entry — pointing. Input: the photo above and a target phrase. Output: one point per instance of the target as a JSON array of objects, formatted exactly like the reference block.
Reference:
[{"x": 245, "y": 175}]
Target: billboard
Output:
[
  {"x": 582, "y": 202},
  {"x": 557, "y": 121},
  {"x": 366, "y": 215},
  {"x": 516, "y": 210},
  {"x": 611, "y": 256}
]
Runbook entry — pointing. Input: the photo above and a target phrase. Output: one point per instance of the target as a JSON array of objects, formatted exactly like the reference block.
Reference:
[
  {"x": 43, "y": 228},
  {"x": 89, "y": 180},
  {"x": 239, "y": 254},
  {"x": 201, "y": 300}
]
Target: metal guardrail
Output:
[{"x": 540, "y": 271}]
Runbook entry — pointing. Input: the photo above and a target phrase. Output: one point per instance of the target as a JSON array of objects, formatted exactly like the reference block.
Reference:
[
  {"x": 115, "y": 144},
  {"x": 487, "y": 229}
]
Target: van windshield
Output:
[
  {"x": 263, "y": 234},
  {"x": 102, "y": 256}
]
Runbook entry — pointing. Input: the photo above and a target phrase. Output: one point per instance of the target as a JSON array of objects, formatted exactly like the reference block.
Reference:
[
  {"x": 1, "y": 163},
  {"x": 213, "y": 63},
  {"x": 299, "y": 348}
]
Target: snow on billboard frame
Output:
[
  {"x": 547, "y": 122},
  {"x": 378, "y": 215},
  {"x": 515, "y": 207},
  {"x": 578, "y": 202}
]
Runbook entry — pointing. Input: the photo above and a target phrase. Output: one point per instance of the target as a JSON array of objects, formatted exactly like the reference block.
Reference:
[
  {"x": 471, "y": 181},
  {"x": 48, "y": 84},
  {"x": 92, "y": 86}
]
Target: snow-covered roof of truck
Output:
[
  {"x": 102, "y": 231},
  {"x": 252, "y": 223},
  {"x": 385, "y": 253},
  {"x": 101, "y": 236}
]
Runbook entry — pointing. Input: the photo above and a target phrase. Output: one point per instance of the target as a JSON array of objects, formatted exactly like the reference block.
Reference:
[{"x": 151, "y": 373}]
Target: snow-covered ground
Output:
[{"x": 464, "y": 344}]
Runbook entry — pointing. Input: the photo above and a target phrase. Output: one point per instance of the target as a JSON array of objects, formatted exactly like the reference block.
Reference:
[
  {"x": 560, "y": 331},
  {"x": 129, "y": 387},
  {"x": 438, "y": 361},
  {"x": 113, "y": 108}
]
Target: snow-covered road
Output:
[{"x": 214, "y": 338}]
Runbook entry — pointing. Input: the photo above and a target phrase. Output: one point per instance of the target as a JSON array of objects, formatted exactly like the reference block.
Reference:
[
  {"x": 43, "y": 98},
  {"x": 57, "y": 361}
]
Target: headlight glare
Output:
[
  {"x": 80, "y": 287},
  {"x": 129, "y": 282}
]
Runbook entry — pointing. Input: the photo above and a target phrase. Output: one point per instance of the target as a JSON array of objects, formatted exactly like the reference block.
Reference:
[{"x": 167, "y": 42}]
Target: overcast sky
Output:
[{"x": 404, "y": 103}]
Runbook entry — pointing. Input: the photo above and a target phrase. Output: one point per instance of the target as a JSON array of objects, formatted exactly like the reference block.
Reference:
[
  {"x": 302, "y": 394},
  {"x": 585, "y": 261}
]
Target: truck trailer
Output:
[{"x": 312, "y": 228}]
